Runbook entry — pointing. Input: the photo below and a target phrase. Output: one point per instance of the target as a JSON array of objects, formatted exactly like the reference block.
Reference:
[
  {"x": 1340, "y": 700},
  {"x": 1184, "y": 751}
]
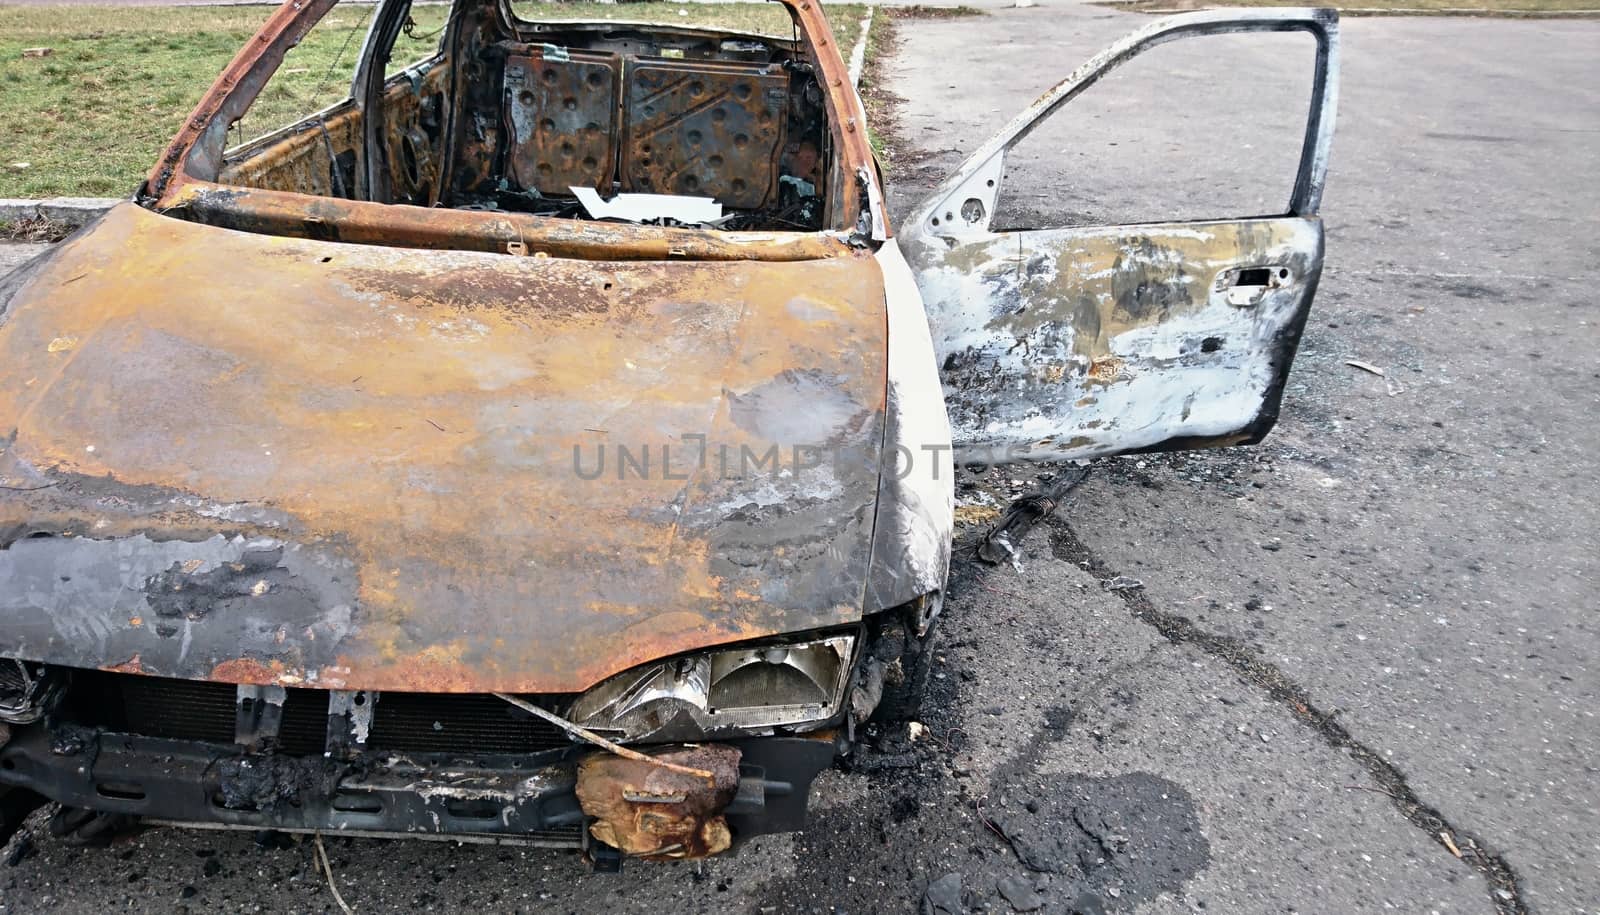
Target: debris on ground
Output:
[
  {"x": 35, "y": 228},
  {"x": 21, "y": 846},
  {"x": 943, "y": 896},
  {"x": 976, "y": 514},
  {"x": 1122, "y": 583},
  {"x": 1020, "y": 894},
  {"x": 18, "y": 849},
  {"x": 999, "y": 544},
  {"x": 996, "y": 548},
  {"x": 1364, "y": 366}
]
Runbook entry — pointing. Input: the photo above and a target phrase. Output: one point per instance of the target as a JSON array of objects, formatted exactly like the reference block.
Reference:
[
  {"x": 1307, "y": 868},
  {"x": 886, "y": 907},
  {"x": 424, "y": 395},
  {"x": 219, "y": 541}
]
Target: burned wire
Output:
[{"x": 1001, "y": 542}]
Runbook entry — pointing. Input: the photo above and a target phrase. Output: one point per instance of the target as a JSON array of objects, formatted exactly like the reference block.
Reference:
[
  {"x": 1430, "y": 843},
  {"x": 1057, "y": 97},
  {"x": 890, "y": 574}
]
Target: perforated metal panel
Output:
[
  {"x": 563, "y": 120},
  {"x": 706, "y": 128}
]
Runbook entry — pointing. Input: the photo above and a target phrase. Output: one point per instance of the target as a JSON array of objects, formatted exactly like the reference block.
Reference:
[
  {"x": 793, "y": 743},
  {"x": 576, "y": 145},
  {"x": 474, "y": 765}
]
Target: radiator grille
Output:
[
  {"x": 435, "y": 723},
  {"x": 401, "y": 722}
]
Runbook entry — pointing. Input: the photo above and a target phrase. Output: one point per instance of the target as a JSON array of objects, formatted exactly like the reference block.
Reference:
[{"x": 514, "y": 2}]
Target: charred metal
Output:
[
  {"x": 292, "y": 533},
  {"x": 511, "y": 116},
  {"x": 139, "y": 746}
]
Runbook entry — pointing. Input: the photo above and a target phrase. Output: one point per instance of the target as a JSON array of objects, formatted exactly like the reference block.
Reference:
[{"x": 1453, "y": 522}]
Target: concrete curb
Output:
[
  {"x": 858, "y": 54},
  {"x": 69, "y": 211}
]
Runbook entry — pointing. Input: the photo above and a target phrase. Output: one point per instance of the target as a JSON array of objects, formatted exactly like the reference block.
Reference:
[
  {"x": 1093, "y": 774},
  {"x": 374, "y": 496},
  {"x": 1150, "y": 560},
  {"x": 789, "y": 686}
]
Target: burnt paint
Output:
[
  {"x": 1107, "y": 353},
  {"x": 178, "y": 593},
  {"x": 394, "y": 432}
]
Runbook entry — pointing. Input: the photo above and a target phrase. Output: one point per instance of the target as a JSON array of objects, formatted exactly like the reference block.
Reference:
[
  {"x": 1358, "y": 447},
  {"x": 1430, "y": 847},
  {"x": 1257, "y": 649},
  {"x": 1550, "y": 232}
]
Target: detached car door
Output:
[{"x": 1057, "y": 343}]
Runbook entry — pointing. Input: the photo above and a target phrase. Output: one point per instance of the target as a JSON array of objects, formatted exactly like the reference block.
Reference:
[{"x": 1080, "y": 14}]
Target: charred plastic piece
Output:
[
  {"x": 1001, "y": 541},
  {"x": 656, "y": 813}
]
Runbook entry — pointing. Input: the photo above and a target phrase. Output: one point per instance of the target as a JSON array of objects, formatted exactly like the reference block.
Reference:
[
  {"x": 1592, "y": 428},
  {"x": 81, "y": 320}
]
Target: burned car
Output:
[{"x": 552, "y": 442}]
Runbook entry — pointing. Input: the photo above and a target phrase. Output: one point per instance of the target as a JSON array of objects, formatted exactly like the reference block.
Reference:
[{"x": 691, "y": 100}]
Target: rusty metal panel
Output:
[
  {"x": 414, "y": 478},
  {"x": 705, "y": 128},
  {"x": 563, "y": 108}
]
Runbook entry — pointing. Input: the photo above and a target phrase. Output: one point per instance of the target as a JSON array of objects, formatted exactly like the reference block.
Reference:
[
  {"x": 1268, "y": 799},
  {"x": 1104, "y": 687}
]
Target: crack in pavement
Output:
[{"x": 1504, "y": 887}]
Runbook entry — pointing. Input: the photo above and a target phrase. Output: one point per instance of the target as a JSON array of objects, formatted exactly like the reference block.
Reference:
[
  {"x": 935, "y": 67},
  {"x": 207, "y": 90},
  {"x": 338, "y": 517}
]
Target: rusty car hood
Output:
[{"x": 272, "y": 460}]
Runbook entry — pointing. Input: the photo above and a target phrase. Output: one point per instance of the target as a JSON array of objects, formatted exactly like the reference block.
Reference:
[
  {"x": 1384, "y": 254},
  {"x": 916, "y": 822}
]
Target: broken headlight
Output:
[
  {"x": 27, "y": 693},
  {"x": 747, "y": 689}
]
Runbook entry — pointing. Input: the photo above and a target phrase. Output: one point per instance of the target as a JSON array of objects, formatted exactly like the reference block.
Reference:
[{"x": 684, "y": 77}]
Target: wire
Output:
[
  {"x": 327, "y": 870},
  {"x": 317, "y": 93},
  {"x": 583, "y": 733},
  {"x": 409, "y": 27}
]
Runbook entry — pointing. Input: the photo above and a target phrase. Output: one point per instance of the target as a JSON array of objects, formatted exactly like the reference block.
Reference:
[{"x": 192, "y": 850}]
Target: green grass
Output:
[
  {"x": 1508, "y": 8},
  {"x": 91, "y": 118}
]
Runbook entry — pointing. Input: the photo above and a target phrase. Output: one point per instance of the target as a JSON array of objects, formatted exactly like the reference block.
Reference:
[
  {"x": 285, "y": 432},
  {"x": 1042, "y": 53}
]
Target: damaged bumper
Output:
[{"x": 566, "y": 796}]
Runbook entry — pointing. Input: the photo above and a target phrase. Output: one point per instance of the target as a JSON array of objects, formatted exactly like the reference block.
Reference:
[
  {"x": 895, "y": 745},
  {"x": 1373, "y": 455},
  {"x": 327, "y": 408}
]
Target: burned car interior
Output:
[{"x": 722, "y": 130}]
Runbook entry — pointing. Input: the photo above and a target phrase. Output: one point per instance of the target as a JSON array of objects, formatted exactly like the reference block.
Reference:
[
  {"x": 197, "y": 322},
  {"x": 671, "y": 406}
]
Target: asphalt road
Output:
[{"x": 1376, "y": 628}]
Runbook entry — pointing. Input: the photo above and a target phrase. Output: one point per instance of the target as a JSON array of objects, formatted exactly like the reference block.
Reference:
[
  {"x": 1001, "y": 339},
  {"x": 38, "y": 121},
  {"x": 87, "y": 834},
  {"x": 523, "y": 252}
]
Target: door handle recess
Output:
[{"x": 1247, "y": 286}]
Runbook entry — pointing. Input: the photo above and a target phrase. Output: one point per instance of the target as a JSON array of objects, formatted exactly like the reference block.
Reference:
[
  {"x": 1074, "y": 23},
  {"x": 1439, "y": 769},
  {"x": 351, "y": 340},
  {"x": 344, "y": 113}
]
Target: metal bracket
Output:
[
  {"x": 349, "y": 720},
  {"x": 257, "y": 714}
]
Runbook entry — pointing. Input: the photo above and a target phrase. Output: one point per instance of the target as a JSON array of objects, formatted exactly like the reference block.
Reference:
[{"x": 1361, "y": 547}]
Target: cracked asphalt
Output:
[{"x": 1375, "y": 628}]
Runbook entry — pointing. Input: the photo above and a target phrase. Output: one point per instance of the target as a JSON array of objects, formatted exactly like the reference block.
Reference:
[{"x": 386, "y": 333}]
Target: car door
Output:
[{"x": 1058, "y": 343}]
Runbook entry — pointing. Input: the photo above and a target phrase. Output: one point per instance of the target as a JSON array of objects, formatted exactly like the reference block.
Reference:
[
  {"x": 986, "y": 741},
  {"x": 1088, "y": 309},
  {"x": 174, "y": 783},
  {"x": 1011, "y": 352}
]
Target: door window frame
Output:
[{"x": 964, "y": 204}]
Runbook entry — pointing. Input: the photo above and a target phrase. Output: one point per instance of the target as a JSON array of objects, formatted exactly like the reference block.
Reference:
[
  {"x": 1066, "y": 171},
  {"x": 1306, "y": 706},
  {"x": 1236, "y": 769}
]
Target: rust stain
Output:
[
  {"x": 246, "y": 670},
  {"x": 130, "y": 666},
  {"x": 1105, "y": 369}
]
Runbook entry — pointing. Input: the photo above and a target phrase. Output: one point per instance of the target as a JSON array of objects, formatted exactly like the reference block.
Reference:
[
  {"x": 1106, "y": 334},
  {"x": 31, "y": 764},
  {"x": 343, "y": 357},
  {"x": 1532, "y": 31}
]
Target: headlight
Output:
[
  {"x": 26, "y": 695},
  {"x": 747, "y": 689}
]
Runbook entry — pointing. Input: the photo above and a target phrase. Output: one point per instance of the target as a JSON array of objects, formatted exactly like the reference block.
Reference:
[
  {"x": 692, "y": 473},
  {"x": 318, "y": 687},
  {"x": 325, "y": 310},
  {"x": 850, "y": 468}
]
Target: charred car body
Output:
[{"x": 349, "y": 472}]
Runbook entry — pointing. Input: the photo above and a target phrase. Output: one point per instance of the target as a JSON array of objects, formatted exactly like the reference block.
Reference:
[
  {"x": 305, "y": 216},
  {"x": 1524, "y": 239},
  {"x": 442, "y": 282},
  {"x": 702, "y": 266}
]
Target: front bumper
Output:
[{"x": 530, "y": 799}]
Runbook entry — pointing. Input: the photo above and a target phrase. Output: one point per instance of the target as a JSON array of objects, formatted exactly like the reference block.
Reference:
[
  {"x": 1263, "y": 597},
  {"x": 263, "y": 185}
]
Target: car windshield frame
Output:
[{"x": 184, "y": 182}]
